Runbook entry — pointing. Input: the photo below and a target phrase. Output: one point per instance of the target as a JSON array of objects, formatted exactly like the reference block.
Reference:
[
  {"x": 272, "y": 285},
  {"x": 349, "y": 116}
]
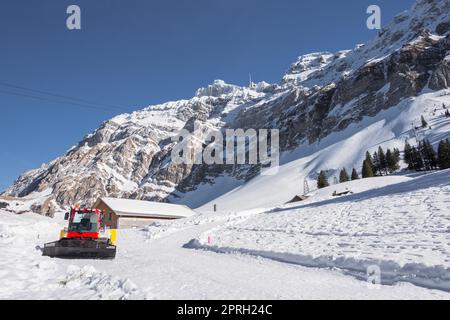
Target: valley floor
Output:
[{"x": 314, "y": 250}]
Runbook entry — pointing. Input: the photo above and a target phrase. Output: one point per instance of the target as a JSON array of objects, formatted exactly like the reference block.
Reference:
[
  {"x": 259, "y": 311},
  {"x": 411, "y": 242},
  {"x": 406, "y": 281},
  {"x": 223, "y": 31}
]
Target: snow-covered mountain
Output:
[{"x": 330, "y": 108}]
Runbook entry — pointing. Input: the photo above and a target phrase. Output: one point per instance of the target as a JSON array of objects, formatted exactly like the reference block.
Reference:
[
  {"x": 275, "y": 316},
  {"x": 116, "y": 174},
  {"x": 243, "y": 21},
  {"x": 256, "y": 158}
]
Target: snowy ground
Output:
[
  {"x": 158, "y": 262},
  {"x": 402, "y": 226}
]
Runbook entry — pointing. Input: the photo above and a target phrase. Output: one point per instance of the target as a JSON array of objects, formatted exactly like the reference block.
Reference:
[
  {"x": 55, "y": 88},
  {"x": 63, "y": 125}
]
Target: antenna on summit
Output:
[{"x": 251, "y": 85}]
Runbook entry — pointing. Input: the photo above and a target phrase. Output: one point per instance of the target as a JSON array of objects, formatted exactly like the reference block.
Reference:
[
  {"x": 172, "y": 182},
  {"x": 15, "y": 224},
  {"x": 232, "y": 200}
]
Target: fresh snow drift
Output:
[
  {"x": 400, "y": 224},
  {"x": 152, "y": 264}
]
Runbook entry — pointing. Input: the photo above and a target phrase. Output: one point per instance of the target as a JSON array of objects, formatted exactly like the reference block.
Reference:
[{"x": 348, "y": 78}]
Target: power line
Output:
[
  {"x": 85, "y": 103},
  {"x": 18, "y": 94}
]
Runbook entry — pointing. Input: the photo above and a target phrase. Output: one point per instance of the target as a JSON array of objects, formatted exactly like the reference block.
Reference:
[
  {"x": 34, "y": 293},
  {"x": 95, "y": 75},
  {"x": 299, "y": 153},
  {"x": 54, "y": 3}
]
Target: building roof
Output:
[
  {"x": 140, "y": 208},
  {"x": 298, "y": 198}
]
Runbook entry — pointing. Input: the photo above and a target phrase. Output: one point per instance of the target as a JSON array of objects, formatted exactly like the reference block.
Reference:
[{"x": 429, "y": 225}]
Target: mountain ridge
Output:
[{"x": 320, "y": 94}]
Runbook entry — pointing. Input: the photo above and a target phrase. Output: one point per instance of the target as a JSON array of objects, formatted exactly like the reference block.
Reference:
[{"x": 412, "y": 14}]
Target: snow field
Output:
[
  {"x": 157, "y": 266},
  {"x": 402, "y": 227}
]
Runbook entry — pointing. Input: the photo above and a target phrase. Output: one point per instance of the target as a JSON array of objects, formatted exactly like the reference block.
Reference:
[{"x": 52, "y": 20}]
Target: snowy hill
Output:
[
  {"x": 346, "y": 149},
  {"x": 329, "y": 108},
  {"x": 399, "y": 224}
]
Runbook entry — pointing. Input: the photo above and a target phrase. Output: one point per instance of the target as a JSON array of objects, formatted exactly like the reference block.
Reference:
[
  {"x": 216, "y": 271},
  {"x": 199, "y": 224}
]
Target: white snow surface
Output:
[
  {"x": 400, "y": 224},
  {"x": 156, "y": 263}
]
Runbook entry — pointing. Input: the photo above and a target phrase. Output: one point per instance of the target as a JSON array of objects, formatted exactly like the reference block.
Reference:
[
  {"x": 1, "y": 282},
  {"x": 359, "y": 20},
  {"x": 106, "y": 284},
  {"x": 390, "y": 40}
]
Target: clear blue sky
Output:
[{"x": 133, "y": 53}]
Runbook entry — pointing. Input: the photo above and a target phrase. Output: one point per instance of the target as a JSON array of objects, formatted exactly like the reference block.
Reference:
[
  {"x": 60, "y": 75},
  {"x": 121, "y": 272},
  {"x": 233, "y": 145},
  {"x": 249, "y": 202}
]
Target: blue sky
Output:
[{"x": 133, "y": 53}]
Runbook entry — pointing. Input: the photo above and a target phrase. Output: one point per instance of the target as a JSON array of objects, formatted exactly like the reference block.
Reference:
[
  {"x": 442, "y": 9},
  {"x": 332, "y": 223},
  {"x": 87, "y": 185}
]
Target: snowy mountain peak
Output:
[
  {"x": 306, "y": 65},
  {"x": 321, "y": 95},
  {"x": 217, "y": 88},
  {"x": 221, "y": 89}
]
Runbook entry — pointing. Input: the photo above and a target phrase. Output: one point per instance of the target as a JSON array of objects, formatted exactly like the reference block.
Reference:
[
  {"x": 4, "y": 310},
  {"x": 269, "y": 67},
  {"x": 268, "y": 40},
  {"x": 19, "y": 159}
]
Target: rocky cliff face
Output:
[{"x": 129, "y": 155}]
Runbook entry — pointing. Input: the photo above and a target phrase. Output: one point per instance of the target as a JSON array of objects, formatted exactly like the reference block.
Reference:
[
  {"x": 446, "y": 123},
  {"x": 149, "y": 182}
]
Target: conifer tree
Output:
[
  {"x": 355, "y": 175},
  {"x": 376, "y": 164},
  {"x": 369, "y": 160},
  {"x": 416, "y": 159},
  {"x": 407, "y": 155},
  {"x": 382, "y": 161},
  {"x": 343, "y": 176},
  {"x": 397, "y": 155},
  {"x": 424, "y": 122},
  {"x": 391, "y": 161},
  {"x": 444, "y": 154},
  {"x": 367, "y": 171},
  {"x": 447, "y": 113},
  {"x": 322, "y": 181},
  {"x": 428, "y": 155}
]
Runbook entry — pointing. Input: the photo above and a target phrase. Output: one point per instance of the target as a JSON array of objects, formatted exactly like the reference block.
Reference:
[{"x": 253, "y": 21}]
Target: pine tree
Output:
[
  {"x": 424, "y": 122},
  {"x": 408, "y": 155},
  {"x": 355, "y": 175},
  {"x": 322, "y": 181},
  {"x": 428, "y": 155},
  {"x": 369, "y": 160},
  {"x": 376, "y": 168},
  {"x": 397, "y": 156},
  {"x": 382, "y": 161},
  {"x": 343, "y": 176},
  {"x": 447, "y": 153},
  {"x": 416, "y": 159},
  {"x": 391, "y": 161},
  {"x": 447, "y": 113},
  {"x": 444, "y": 154},
  {"x": 367, "y": 171}
]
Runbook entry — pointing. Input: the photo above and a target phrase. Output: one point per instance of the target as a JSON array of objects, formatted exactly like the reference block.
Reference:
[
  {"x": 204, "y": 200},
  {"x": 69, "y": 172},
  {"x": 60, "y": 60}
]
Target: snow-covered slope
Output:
[
  {"x": 152, "y": 264},
  {"x": 399, "y": 224},
  {"x": 346, "y": 149}
]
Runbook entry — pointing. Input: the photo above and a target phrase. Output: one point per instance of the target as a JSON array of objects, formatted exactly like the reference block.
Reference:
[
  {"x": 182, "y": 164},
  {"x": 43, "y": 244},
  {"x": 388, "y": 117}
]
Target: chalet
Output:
[
  {"x": 125, "y": 213},
  {"x": 298, "y": 198}
]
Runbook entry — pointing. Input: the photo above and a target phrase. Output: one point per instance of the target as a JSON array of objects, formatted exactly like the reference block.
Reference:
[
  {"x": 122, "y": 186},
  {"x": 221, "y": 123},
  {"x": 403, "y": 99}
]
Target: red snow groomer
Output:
[{"x": 85, "y": 237}]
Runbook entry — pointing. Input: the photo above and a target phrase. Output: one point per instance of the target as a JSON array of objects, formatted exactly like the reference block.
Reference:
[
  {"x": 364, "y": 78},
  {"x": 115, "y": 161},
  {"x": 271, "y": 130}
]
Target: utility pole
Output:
[
  {"x": 305, "y": 187},
  {"x": 251, "y": 84},
  {"x": 415, "y": 133}
]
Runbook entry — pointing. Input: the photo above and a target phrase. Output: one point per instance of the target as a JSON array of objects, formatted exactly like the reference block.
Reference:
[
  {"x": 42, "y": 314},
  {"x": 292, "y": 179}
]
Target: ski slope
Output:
[
  {"x": 155, "y": 263},
  {"x": 345, "y": 149},
  {"x": 400, "y": 224}
]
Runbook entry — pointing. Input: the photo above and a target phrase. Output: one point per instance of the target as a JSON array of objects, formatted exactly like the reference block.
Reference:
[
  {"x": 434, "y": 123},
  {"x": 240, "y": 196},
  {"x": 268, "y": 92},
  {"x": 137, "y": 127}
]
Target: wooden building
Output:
[{"x": 125, "y": 213}]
